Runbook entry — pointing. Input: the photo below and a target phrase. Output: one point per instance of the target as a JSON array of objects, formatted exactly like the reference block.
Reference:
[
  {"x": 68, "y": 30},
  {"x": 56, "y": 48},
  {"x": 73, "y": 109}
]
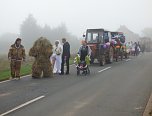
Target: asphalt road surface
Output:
[{"x": 119, "y": 89}]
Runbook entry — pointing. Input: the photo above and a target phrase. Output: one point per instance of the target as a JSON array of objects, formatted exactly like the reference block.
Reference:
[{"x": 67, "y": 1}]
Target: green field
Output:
[{"x": 25, "y": 69}]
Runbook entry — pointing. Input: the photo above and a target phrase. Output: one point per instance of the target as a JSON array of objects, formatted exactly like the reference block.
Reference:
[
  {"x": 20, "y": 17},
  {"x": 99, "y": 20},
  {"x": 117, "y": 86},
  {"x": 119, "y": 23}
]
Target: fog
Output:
[{"x": 76, "y": 16}]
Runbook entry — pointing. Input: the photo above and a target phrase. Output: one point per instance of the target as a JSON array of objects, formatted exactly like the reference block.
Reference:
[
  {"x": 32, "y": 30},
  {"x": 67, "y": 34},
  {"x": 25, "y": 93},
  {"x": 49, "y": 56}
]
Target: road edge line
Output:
[
  {"x": 22, "y": 105},
  {"x": 10, "y": 80},
  {"x": 5, "y": 81}
]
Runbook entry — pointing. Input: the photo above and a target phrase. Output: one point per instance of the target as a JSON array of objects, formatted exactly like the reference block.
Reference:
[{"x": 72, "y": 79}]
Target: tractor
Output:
[{"x": 99, "y": 42}]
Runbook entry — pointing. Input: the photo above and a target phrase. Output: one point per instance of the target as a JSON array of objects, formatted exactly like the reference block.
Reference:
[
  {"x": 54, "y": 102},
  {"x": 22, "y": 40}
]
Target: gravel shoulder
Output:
[{"x": 148, "y": 109}]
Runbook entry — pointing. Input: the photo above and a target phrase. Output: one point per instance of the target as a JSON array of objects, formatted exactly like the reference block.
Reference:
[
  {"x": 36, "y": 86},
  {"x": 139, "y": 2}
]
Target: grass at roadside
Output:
[{"x": 25, "y": 69}]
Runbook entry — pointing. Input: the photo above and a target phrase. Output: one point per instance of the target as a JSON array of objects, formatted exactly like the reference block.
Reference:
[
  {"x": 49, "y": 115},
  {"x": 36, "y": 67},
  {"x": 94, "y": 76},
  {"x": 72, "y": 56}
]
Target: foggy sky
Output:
[{"x": 77, "y": 14}]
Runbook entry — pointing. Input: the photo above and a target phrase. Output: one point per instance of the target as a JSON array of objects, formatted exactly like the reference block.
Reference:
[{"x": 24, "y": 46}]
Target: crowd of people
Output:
[
  {"x": 134, "y": 48},
  {"x": 48, "y": 59}
]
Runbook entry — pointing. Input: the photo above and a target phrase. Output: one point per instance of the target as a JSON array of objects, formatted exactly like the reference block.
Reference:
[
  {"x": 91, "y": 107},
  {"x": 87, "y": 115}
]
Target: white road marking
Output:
[
  {"x": 139, "y": 108},
  {"x": 25, "y": 76},
  {"x": 4, "y": 94},
  {"x": 4, "y": 81},
  {"x": 10, "y": 80},
  {"x": 22, "y": 105},
  {"x": 128, "y": 60},
  {"x": 104, "y": 69}
]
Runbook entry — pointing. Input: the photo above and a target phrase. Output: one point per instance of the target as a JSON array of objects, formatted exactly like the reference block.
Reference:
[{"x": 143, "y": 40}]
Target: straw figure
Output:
[{"x": 41, "y": 51}]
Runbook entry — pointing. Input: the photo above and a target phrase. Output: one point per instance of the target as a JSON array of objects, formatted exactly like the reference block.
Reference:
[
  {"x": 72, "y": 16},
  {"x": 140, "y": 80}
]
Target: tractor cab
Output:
[
  {"x": 107, "y": 36},
  {"x": 94, "y": 36},
  {"x": 95, "y": 39}
]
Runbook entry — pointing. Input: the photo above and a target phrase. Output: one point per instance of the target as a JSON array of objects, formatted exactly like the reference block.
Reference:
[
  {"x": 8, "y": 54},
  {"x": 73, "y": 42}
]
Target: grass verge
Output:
[{"x": 25, "y": 70}]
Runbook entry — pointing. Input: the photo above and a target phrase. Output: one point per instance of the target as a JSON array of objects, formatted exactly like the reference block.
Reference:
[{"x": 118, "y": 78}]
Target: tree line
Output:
[{"x": 31, "y": 31}]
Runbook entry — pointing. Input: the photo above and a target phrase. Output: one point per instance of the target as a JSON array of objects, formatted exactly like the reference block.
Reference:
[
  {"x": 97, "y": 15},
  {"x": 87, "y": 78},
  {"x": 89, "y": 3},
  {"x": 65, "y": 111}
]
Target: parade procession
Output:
[
  {"x": 75, "y": 57},
  {"x": 104, "y": 60},
  {"x": 96, "y": 44}
]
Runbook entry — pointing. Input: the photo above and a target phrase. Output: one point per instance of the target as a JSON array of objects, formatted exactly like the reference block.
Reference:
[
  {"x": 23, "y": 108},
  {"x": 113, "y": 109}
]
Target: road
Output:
[{"x": 119, "y": 89}]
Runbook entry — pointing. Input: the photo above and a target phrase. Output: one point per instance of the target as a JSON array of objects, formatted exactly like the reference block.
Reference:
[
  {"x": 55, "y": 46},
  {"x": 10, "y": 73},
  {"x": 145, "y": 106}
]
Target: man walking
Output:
[
  {"x": 65, "y": 56},
  {"x": 16, "y": 55}
]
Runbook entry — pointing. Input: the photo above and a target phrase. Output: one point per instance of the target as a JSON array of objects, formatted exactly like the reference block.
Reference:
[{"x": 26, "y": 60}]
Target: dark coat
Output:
[{"x": 66, "y": 49}]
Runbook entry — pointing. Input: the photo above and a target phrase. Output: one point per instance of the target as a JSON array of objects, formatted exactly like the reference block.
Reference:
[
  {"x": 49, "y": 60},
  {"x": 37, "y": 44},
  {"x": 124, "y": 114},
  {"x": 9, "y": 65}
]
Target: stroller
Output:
[{"x": 82, "y": 65}]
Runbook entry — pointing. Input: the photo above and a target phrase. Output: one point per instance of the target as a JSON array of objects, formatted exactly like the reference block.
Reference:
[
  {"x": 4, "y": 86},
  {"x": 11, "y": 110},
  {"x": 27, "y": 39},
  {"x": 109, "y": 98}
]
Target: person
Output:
[
  {"x": 16, "y": 55},
  {"x": 136, "y": 49},
  {"x": 143, "y": 48},
  {"x": 132, "y": 48},
  {"x": 41, "y": 51},
  {"x": 57, "y": 57},
  {"x": 83, "y": 56},
  {"x": 65, "y": 56},
  {"x": 84, "y": 50},
  {"x": 127, "y": 48}
]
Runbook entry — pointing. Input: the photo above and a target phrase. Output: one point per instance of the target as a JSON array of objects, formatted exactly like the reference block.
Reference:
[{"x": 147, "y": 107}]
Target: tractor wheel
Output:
[
  {"x": 102, "y": 61},
  {"x": 85, "y": 72},
  {"x": 88, "y": 70},
  {"x": 78, "y": 71},
  {"x": 126, "y": 55},
  {"x": 121, "y": 55},
  {"x": 91, "y": 59},
  {"x": 111, "y": 52},
  {"x": 116, "y": 55}
]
